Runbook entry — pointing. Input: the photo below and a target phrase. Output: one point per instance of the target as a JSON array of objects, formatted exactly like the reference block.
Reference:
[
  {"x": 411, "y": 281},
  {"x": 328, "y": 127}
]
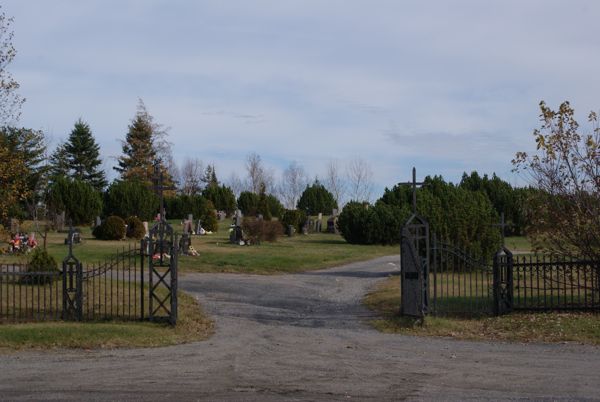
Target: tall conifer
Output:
[{"x": 83, "y": 156}]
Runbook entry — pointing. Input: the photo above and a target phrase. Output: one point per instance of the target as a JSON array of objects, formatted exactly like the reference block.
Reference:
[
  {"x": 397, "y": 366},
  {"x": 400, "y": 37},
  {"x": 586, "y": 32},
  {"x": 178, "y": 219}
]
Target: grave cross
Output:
[
  {"x": 414, "y": 185},
  {"x": 502, "y": 225},
  {"x": 160, "y": 187}
]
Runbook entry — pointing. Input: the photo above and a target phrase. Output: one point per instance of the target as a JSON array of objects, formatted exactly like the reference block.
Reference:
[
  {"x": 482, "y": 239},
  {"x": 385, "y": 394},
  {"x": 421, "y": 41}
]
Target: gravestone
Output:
[
  {"x": 187, "y": 227},
  {"x": 60, "y": 221},
  {"x": 14, "y": 225},
  {"x": 222, "y": 215},
  {"x": 319, "y": 223},
  {"x": 145, "y": 223},
  {"x": 199, "y": 228},
  {"x": 237, "y": 219},
  {"x": 334, "y": 212},
  {"x": 332, "y": 225},
  {"x": 97, "y": 222}
]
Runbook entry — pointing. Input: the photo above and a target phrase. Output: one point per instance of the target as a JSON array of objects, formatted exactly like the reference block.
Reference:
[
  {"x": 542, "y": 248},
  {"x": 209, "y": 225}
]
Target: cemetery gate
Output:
[
  {"x": 134, "y": 284},
  {"x": 439, "y": 278}
]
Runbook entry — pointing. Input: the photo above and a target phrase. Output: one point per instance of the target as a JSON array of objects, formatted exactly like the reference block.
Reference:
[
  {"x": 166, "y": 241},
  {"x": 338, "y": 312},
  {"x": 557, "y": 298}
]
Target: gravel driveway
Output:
[{"x": 303, "y": 337}]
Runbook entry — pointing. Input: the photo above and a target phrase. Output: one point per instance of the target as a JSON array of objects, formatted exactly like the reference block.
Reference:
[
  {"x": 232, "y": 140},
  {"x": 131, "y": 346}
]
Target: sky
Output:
[{"x": 445, "y": 86}]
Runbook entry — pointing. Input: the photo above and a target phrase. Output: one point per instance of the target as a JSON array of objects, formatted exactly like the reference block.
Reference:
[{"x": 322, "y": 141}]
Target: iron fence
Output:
[
  {"x": 460, "y": 285},
  {"x": 551, "y": 283},
  {"x": 27, "y": 295},
  {"x": 115, "y": 289}
]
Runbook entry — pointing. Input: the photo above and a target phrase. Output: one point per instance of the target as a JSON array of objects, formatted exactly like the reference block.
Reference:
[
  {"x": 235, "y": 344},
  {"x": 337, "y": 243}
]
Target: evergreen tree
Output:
[
  {"x": 59, "y": 163},
  {"x": 143, "y": 147},
  {"x": 83, "y": 156},
  {"x": 317, "y": 199}
]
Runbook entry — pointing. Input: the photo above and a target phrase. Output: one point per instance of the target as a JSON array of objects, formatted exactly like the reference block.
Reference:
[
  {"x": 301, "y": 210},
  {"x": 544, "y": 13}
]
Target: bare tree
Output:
[
  {"x": 360, "y": 180},
  {"x": 10, "y": 101},
  {"x": 334, "y": 181},
  {"x": 564, "y": 212},
  {"x": 235, "y": 184},
  {"x": 191, "y": 175},
  {"x": 258, "y": 174},
  {"x": 293, "y": 182}
]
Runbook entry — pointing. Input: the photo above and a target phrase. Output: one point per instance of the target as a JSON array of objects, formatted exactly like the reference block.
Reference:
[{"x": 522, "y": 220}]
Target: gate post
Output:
[
  {"x": 72, "y": 296},
  {"x": 503, "y": 281}
]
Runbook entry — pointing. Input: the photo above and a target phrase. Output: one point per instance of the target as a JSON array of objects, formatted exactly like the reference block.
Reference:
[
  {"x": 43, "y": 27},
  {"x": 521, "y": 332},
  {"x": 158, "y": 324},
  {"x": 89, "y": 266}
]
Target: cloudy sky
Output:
[{"x": 446, "y": 86}]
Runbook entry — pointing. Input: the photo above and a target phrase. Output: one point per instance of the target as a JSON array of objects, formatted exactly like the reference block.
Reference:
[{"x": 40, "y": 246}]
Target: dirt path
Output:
[{"x": 303, "y": 337}]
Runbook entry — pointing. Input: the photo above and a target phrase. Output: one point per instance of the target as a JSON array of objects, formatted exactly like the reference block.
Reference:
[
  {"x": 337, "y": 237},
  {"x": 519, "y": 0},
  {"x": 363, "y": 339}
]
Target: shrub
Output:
[
  {"x": 80, "y": 201},
  {"x": 317, "y": 200},
  {"x": 209, "y": 218},
  {"x": 259, "y": 230},
  {"x": 294, "y": 217},
  {"x": 135, "y": 228},
  {"x": 128, "y": 198},
  {"x": 222, "y": 197},
  {"x": 275, "y": 207},
  {"x": 113, "y": 228},
  {"x": 248, "y": 203},
  {"x": 367, "y": 224},
  {"x": 41, "y": 266}
]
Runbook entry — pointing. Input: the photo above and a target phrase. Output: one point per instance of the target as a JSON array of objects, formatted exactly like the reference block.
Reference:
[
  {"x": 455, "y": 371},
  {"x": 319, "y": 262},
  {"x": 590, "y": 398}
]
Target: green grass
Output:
[
  {"x": 193, "y": 325},
  {"x": 518, "y": 244},
  {"x": 516, "y": 327},
  {"x": 287, "y": 255},
  {"x": 216, "y": 254}
]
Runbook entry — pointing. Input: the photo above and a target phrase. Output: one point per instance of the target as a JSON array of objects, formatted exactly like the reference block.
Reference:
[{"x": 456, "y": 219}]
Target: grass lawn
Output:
[
  {"x": 287, "y": 255},
  {"x": 516, "y": 327},
  {"x": 193, "y": 325},
  {"x": 518, "y": 244}
]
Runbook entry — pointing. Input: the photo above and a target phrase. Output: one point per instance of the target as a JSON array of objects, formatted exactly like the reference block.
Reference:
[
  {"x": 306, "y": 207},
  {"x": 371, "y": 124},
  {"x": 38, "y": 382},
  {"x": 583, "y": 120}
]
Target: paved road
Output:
[{"x": 303, "y": 337}]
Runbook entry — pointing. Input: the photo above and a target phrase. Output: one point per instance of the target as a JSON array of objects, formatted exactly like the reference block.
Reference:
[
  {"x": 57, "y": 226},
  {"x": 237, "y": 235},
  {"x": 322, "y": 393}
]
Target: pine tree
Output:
[
  {"x": 143, "y": 146},
  {"x": 59, "y": 163},
  {"x": 83, "y": 156}
]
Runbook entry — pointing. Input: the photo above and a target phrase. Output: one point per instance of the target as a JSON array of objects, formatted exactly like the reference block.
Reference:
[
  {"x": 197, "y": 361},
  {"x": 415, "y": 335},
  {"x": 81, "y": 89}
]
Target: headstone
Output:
[
  {"x": 60, "y": 221},
  {"x": 199, "y": 228},
  {"x": 145, "y": 223},
  {"x": 184, "y": 243},
  {"x": 236, "y": 236},
  {"x": 260, "y": 217},
  {"x": 222, "y": 215},
  {"x": 190, "y": 217},
  {"x": 14, "y": 225},
  {"x": 237, "y": 221},
  {"x": 187, "y": 227},
  {"x": 98, "y": 222},
  {"x": 319, "y": 223},
  {"x": 331, "y": 225},
  {"x": 334, "y": 212}
]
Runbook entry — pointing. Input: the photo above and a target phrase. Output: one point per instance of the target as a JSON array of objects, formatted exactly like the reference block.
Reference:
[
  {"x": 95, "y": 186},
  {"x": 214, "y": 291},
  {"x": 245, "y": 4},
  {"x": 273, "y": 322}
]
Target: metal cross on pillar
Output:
[
  {"x": 72, "y": 289},
  {"x": 502, "y": 225},
  {"x": 414, "y": 185},
  {"x": 162, "y": 261},
  {"x": 159, "y": 187},
  {"x": 414, "y": 259}
]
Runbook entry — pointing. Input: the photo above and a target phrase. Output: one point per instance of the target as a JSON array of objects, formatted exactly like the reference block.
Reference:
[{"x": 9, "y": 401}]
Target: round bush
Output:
[
  {"x": 135, "y": 228},
  {"x": 113, "y": 228},
  {"x": 293, "y": 217},
  {"x": 41, "y": 266}
]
